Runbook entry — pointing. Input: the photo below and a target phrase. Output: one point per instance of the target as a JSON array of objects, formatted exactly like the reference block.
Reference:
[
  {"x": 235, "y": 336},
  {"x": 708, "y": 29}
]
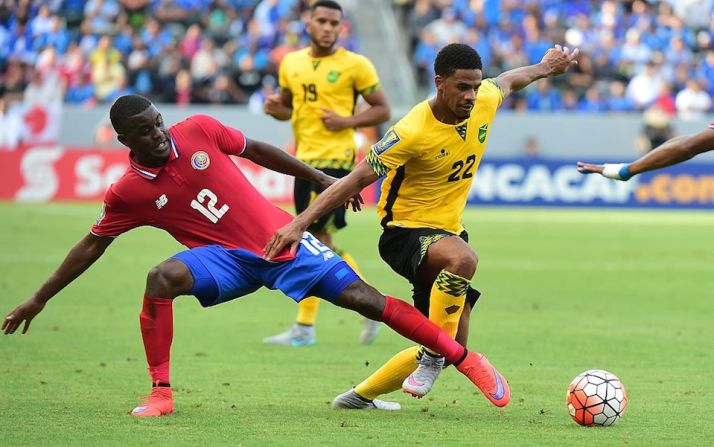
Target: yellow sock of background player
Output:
[
  {"x": 445, "y": 309},
  {"x": 307, "y": 311}
]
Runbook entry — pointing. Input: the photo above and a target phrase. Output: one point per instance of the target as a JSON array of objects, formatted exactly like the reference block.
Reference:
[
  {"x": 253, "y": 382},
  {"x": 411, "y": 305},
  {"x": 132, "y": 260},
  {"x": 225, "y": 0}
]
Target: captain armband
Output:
[{"x": 375, "y": 163}]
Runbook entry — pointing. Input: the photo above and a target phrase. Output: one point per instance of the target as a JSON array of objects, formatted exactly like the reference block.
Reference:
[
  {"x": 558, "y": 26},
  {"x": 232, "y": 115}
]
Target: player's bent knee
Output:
[
  {"x": 169, "y": 279},
  {"x": 463, "y": 263},
  {"x": 363, "y": 298}
]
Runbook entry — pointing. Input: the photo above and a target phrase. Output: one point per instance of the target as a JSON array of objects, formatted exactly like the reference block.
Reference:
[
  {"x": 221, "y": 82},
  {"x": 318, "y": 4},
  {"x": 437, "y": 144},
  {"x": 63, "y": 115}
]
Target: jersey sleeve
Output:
[
  {"x": 116, "y": 217},
  {"x": 491, "y": 93},
  {"x": 367, "y": 80},
  {"x": 395, "y": 148},
  {"x": 229, "y": 140}
]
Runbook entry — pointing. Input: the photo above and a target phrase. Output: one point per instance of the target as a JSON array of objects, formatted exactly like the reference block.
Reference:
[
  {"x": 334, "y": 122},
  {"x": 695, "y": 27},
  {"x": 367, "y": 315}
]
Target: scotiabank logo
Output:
[
  {"x": 40, "y": 178},
  {"x": 41, "y": 174}
]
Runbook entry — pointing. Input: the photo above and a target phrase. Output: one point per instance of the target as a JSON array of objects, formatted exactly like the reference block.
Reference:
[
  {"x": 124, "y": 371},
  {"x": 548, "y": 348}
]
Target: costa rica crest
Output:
[{"x": 200, "y": 160}]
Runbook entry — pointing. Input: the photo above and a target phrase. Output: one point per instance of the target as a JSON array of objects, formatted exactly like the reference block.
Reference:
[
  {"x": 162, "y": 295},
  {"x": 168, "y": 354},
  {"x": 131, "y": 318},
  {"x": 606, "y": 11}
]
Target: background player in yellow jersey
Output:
[
  {"x": 429, "y": 159},
  {"x": 320, "y": 86}
]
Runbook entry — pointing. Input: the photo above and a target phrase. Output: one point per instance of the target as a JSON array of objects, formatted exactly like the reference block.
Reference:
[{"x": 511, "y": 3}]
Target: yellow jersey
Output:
[
  {"x": 429, "y": 165},
  {"x": 333, "y": 82}
]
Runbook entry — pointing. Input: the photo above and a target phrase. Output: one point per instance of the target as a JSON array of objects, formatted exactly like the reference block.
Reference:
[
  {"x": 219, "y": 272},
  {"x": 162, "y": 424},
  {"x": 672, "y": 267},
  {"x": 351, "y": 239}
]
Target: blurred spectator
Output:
[
  {"x": 419, "y": 17},
  {"x": 644, "y": 87},
  {"x": 593, "y": 101},
  {"x": 543, "y": 97},
  {"x": 10, "y": 124},
  {"x": 108, "y": 73},
  {"x": 657, "y": 129},
  {"x": 693, "y": 101},
  {"x": 618, "y": 102},
  {"x": 448, "y": 28},
  {"x": 531, "y": 147}
]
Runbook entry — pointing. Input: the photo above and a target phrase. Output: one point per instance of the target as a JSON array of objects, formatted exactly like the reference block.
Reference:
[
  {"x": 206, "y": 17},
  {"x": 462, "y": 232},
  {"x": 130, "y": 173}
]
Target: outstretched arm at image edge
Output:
[
  {"x": 669, "y": 153},
  {"x": 78, "y": 260},
  {"x": 674, "y": 151}
]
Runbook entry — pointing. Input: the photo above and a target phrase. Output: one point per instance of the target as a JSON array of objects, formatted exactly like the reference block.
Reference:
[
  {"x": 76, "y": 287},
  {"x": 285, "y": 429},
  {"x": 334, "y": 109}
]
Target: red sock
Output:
[
  {"x": 157, "y": 330},
  {"x": 410, "y": 323}
]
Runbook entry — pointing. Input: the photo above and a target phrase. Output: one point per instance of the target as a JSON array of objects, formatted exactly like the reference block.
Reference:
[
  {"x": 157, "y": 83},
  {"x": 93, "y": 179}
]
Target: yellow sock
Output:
[
  {"x": 446, "y": 302},
  {"x": 390, "y": 376},
  {"x": 307, "y": 311},
  {"x": 350, "y": 261}
]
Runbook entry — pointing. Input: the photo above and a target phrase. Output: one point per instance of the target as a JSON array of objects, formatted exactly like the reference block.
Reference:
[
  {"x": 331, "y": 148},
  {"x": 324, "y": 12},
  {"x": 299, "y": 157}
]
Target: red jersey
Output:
[{"x": 199, "y": 196}]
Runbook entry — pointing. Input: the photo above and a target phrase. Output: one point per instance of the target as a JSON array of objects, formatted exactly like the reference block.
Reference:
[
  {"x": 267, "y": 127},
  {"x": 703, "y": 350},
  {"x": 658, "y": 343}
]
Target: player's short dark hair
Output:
[
  {"x": 326, "y": 4},
  {"x": 126, "y": 106},
  {"x": 456, "y": 56}
]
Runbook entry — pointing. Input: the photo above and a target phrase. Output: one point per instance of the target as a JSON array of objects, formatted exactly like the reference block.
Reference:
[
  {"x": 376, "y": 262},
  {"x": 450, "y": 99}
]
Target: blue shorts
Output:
[{"x": 222, "y": 274}]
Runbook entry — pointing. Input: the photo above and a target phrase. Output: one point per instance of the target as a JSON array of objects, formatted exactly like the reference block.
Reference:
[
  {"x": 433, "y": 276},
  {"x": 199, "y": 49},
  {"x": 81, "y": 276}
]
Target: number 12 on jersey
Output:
[{"x": 209, "y": 210}]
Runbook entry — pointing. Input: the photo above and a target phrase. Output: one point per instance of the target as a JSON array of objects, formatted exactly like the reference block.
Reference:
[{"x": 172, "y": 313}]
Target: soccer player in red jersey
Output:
[{"x": 182, "y": 180}]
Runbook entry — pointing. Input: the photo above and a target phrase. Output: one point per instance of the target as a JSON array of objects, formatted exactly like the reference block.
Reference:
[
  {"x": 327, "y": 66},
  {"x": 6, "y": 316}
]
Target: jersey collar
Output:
[{"x": 151, "y": 173}]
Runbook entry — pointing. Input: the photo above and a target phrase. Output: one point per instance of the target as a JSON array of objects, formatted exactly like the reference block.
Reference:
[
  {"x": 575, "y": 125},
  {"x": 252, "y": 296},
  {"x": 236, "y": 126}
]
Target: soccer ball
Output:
[{"x": 596, "y": 397}]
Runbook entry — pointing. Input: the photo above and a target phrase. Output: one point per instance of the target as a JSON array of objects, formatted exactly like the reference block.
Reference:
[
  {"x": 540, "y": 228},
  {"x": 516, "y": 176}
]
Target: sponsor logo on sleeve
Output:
[{"x": 388, "y": 140}]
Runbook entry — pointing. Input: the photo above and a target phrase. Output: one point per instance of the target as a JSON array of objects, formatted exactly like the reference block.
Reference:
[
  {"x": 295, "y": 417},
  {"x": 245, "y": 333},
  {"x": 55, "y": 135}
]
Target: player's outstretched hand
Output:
[
  {"x": 617, "y": 171},
  {"x": 356, "y": 201},
  {"x": 289, "y": 235},
  {"x": 559, "y": 59},
  {"x": 24, "y": 312}
]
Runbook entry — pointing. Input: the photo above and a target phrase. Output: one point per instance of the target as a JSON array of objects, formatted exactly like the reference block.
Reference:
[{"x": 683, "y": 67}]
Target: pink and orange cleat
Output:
[
  {"x": 486, "y": 377},
  {"x": 159, "y": 403}
]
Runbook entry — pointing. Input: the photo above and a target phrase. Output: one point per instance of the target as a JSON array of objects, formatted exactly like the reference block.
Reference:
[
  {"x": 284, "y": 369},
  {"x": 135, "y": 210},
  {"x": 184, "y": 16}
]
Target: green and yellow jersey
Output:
[
  {"x": 333, "y": 82},
  {"x": 430, "y": 165}
]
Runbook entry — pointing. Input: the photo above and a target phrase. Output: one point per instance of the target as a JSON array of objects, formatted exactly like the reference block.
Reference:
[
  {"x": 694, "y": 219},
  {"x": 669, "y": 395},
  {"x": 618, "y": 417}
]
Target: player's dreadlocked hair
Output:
[
  {"x": 126, "y": 106},
  {"x": 456, "y": 56},
  {"x": 326, "y": 4}
]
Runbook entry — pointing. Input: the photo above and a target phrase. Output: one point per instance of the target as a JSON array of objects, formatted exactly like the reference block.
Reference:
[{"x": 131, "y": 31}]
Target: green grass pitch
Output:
[{"x": 564, "y": 291}]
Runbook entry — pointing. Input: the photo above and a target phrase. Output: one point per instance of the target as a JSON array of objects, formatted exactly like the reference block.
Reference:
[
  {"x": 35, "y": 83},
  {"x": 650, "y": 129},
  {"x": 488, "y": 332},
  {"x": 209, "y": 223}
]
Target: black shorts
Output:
[
  {"x": 306, "y": 191},
  {"x": 404, "y": 249}
]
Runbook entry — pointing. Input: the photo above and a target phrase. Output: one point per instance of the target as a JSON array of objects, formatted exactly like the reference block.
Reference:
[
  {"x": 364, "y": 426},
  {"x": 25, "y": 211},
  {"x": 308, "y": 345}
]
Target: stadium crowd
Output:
[
  {"x": 634, "y": 53},
  {"x": 178, "y": 51}
]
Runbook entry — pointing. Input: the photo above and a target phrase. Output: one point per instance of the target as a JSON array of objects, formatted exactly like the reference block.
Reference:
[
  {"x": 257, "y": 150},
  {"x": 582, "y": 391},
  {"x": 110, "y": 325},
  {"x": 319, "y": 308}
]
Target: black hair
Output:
[
  {"x": 326, "y": 4},
  {"x": 126, "y": 106},
  {"x": 456, "y": 56}
]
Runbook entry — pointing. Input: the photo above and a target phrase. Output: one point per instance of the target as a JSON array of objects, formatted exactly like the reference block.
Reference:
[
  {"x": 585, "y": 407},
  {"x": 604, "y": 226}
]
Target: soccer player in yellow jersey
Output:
[
  {"x": 429, "y": 159},
  {"x": 320, "y": 86}
]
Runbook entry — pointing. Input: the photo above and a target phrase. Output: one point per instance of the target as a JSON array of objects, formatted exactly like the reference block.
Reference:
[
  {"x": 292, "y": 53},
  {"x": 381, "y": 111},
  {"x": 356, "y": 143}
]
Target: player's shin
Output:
[
  {"x": 157, "y": 331},
  {"x": 390, "y": 376},
  {"x": 410, "y": 323},
  {"x": 446, "y": 302}
]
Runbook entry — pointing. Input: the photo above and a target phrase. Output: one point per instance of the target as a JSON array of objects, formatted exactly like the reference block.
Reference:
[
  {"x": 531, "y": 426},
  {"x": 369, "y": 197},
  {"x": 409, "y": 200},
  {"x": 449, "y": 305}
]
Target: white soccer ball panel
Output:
[
  {"x": 600, "y": 419},
  {"x": 605, "y": 391},
  {"x": 619, "y": 395},
  {"x": 611, "y": 420},
  {"x": 590, "y": 389},
  {"x": 609, "y": 411}
]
